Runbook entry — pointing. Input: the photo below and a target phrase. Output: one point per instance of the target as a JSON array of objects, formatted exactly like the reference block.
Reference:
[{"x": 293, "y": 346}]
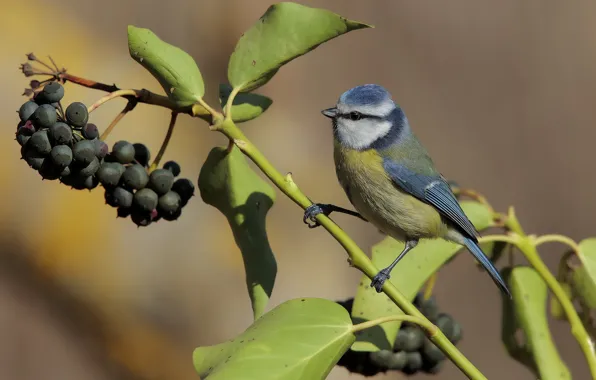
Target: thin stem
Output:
[
  {"x": 110, "y": 96},
  {"x": 357, "y": 257},
  {"x": 53, "y": 63},
  {"x": 228, "y": 106},
  {"x": 553, "y": 238},
  {"x": 165, "y": 143},
  {"x": 430, "y": 285},
  {"x": 129, "y": 107},
  {"x": 431, "y": 329}
]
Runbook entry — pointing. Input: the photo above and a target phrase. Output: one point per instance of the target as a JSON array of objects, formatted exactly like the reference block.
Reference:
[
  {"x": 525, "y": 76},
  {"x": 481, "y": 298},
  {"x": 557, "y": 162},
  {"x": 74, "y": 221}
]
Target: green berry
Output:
[
  {"x": 169, "y": 203},
  {"x": 122, "y": 197},
  {"x": 52, "y": 92},
  {"x": 135, "y": 177},
  {"x": 76, "y": 114},
  {"x": 185, "y": 188},
  {"x": 109, "y": 173},
  {"x": 61, "y": 155},
  {"x": 145, "y": 199},
  {"x": 101, "y": 149},
  {"x": 414, "y": 363},
  {"x": 409, "y": 339},
  {"x": 90, "y": 131},
  {"x": 40, "y": 142},
  {"x": 90, "y": 169},
  {"x": 60, "y": 133},
  {"x": 161, "y": 181},
  {"x": 173, "y": 167},
  {"x": 84, "y": 152},
  {"x": 27, "y": 110},
  {"x": 123, "y": 152},
  {"x": 44, "y": 116},
  {"x": 142, "y": 154}
]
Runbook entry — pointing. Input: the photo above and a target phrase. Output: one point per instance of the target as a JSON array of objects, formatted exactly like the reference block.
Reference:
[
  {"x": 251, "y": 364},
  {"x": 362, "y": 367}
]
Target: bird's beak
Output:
[{"x": 330, "y": 112}]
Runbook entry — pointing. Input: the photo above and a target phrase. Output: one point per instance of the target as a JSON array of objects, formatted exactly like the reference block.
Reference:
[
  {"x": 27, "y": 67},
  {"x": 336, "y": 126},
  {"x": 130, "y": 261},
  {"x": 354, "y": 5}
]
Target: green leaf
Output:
[
  {"x": 301, "y": 339},
  {"x": 176, "y": 70},
  {"x": 555, "y": 307},
  {"x": 286, "y": 31},
  {"x": 538, "y": 352},
  {"x": 583, "y": 279},
  {"x": 409, "y": 276},
  {"x": 246, "y": 106},
  {"x": 229, "y": 184}
]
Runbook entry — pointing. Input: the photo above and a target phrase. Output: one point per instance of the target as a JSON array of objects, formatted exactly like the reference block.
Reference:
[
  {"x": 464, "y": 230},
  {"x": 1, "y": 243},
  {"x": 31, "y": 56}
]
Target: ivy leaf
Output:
[
  {"x": 227, "y": 183},
  {"x": 246, "y": 106},
  {"x": 583, "y": 279},
  {"x": 301, "y": 339},
  {"x": 286, "y": 31},
  {"x": 409, "y": 276},
  {"x": 175, "y": 69},
  {"x": 527, "y": 311}
]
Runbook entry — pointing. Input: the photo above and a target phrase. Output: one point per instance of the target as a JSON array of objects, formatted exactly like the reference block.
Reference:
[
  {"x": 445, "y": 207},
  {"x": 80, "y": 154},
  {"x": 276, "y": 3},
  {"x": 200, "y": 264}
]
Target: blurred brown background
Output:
[{"x": 500, "y": 93}]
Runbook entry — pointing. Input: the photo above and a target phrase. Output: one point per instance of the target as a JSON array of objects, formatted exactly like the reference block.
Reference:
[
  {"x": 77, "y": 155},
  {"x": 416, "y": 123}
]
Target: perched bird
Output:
[{"x": 390, "y": 179}]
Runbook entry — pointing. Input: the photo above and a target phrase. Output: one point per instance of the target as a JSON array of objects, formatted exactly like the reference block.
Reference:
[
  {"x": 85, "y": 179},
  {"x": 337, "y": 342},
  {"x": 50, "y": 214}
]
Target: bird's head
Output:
[{"x": 363, "y": 115}]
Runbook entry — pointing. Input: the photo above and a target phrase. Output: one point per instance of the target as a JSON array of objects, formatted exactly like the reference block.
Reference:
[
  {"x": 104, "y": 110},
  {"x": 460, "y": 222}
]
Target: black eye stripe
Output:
[{"x": 362, "y": 116}]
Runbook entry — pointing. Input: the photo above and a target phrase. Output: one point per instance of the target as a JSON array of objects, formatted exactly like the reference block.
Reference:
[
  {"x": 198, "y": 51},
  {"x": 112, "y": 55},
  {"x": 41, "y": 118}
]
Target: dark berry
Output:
[
  {"x": 142, "y": 154},
  {"x": 27, "y": 109},
  {"x": 141, "y": 218},
  {"x": 90, "y": 169},
  {"x": 123, "y": 152},
  {"x": 34, "y": 159},
  {"x": 61, "y": 155},
  {"x": 185, "y": 188},
  {"x": 44, "y": 116},
  {"x": 161, "y": 181},
  {"x": 122, "y": 197},
  {"x": 90, "y": 131},
  {"x": 52, "y": 92},
  {"x": 65, "y": 172},
  {"x": 431, "y": 352},
  {"x": 445, "y": 324},
  {"x": 26, "y": 127},
  {"x": 414, "y": 362},
  {"x": 429, "y": 308},
  {"x": 24, "y": 133},
  {"x": 84, "y": 152},
  {"x": 50, "y": 171},
  {"x": 385, "y": 359},
  {"x": 457, "y": 333},
  {"x": 409, "y": 339},
  {"x": 90, "y": 182},
  {"x": 173, "y": 167},
  {"x": 76, "y": 114},
  {"x": 40, "y": 142},
  {"x": 135, "y": 177},
  {"x": 60, "y": 133},
  {"x": 123, "y": 212},
  {"x": 170, "y": 217},
  {"x": 433, "y": 368},
  {"x": 145, "y": 199},
  {"x": 101, "y": 149},
  {"x": 169, "y": 203},
  {"x": 22, "y": 139},
  {"x": 109, "y": 173},
  {"x": 109, "y": 197}
]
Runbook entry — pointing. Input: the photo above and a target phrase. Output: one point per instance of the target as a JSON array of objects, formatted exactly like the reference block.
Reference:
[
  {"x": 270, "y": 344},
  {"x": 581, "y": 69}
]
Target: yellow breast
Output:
[{"x": 375, "y": 196}]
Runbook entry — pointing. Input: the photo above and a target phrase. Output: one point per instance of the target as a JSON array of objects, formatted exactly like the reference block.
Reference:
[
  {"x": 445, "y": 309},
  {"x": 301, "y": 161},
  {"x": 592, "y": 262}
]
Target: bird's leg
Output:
[
  {"x": 315, "y": 209},
  {"x": 385, "y": 273}
]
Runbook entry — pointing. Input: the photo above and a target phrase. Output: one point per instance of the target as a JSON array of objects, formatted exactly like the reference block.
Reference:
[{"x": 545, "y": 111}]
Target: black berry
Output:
[
  {"x": 145, "y": 199},
  {"x": 90, "y": 169},
  {"x": 161, "y": 181},
  {"x": 173, "y": 167},
  {"x": 40, "y": 142},
  {"x": 185, "y": 188},
  {"x": 169, "y": 203},
  {"x": 109, "y": 173},
  {"x": 27, "y": 110},
  {"x": 61, "y": 156},
  {"x": 90, "y": 131},
  {"x": 50, "y": 171},
  {"x": 123, "y": 152},
  {"x": 84, "y": 152},
  {"x": 76, "y": 114},
  {"x": 414, "y": 362},
  {"x": 135, "y": 177},
  {"x": 142, "y": 154},
  {"x": 60, "y": 133},
  {"x": 409, "y": 339},
  {"x": 101, "y": 148},
  {"x": 44, "y": 116},
  {"x": 122, "y": 197},
  {"x": 52, "y": 92}
]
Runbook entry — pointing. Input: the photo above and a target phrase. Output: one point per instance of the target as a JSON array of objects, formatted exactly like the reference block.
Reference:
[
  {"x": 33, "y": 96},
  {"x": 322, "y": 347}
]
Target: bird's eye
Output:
[{"x": 355, "y": 116}]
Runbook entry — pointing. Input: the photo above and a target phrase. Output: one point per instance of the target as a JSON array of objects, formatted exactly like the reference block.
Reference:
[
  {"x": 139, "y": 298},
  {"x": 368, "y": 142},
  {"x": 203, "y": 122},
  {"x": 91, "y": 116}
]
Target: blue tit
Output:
[{"x": 390, "y": 179}]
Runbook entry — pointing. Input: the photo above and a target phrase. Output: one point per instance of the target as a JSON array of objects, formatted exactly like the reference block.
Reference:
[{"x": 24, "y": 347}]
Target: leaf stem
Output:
[
  {"x": 228, "y": 106},
  {"x": 430, "y": 285},
  {"x": 553, "y": 238},
  {"x": 165, "y": 143},
  {"x": 110, "y": 96},
  {"x": 497, "y": 238},
  {"x": 129, "y": 107},
  {"x": 357, "y": 257},
  {"x": 431, "y": 329}
]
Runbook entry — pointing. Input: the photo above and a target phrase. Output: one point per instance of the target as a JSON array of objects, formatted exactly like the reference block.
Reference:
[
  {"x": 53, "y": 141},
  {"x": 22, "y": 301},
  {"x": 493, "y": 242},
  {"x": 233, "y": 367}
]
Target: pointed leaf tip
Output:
[
  {"x": 176, "y": 71},
  {"x": 286, "y": 31}
]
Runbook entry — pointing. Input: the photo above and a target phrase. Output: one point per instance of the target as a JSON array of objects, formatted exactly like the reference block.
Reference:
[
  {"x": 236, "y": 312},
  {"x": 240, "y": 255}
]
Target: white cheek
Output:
[{"x": 361, "y": 134}]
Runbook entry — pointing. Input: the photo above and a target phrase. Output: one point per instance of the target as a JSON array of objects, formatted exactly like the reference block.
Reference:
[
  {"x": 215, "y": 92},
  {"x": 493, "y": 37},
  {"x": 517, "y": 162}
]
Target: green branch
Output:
[{"x": 357, "y": 257}]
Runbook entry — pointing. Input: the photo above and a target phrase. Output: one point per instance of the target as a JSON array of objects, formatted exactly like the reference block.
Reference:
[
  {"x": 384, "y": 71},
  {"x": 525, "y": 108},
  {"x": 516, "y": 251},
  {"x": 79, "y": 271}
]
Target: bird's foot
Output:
[
  {"x": 311, "y": 212},
  {"x": 379, "y": 280}
]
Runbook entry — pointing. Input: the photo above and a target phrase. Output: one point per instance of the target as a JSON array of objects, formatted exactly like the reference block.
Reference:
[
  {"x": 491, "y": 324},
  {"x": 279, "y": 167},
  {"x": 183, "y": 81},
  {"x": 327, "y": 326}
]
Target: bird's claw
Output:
[
  {"x": 379, "y": 280},
  {"x": 310, "y": 215}
]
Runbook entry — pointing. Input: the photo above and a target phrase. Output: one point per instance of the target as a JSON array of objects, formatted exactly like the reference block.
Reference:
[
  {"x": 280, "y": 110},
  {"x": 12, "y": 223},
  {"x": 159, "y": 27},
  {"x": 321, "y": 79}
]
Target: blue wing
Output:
[{"x": 432, "y": 189}]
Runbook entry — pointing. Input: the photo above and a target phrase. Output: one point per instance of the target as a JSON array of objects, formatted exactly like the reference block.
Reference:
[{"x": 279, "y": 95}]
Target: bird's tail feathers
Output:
[{"x": 487, "y": 264}]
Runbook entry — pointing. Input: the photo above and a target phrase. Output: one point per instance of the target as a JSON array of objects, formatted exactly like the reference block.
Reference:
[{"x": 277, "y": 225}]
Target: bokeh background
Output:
[{"x": 501, "y": 93}]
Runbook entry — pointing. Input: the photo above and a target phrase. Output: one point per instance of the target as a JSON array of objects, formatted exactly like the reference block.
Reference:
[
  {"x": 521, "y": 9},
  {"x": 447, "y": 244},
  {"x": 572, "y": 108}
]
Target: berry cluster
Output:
[
  {"x": 412, "y": 352},
  {"x": 62, "y": 145}
]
